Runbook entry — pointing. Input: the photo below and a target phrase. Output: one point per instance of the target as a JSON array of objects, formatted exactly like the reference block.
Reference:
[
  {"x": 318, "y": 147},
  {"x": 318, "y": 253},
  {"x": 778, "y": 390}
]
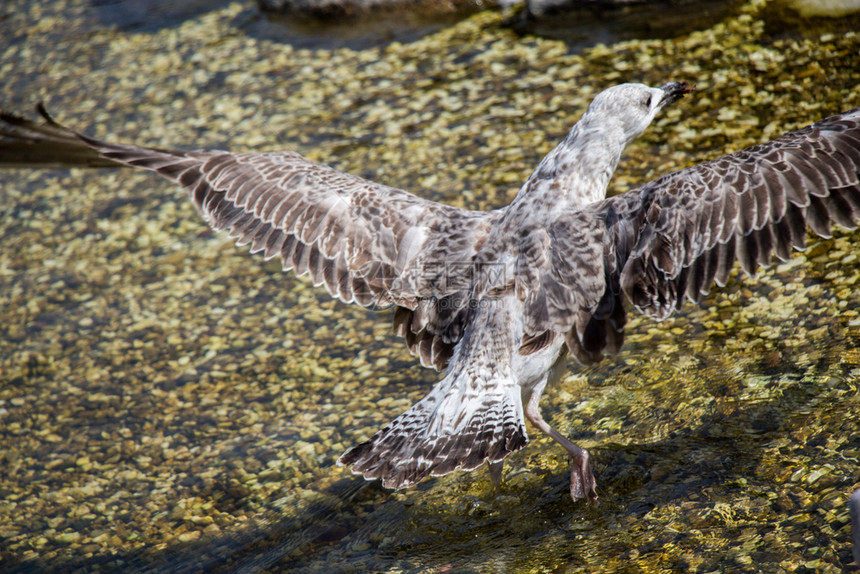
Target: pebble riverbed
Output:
[{"x": 170, "y": 403}]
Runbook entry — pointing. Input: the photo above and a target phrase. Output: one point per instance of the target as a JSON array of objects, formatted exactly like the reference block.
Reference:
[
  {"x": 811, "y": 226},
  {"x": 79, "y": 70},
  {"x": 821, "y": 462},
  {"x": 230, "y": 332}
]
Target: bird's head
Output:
[{"x": 631, "y": 107}]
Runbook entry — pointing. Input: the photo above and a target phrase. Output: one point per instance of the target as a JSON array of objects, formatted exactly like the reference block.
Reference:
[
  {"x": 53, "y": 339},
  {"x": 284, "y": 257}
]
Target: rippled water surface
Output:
[{"x": 170, "y": 403}]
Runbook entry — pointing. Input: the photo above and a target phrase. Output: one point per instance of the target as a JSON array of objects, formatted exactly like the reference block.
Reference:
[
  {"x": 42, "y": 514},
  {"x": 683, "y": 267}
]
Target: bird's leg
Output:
[{"x": 582, "y": 483}]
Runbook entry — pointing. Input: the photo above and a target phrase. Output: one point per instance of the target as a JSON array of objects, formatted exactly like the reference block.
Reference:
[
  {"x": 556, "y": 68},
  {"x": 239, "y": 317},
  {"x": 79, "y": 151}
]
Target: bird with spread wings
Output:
[{"x": 497, "y": 299}]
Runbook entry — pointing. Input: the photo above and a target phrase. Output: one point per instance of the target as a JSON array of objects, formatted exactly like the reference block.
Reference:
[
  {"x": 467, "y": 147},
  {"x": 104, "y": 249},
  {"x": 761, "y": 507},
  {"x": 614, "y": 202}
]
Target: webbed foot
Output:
[{"x": 582, "y": 482}]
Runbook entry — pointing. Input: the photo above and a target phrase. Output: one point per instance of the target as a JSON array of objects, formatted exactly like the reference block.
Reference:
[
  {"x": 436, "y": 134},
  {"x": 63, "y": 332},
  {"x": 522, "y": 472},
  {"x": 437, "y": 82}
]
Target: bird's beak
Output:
[{"x": 674, "y": 91}]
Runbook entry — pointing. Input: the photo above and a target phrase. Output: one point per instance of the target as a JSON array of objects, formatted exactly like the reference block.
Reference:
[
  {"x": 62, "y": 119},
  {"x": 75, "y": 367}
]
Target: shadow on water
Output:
[
  {"x": 356, "y": 35},
  {"x": 151, "y": 15},
  {"x": 300, "y": 32},
  {"x": 579, "y": 28},
  {"x": 608, "y": 22},
  {"x": 351, "y": 525}
]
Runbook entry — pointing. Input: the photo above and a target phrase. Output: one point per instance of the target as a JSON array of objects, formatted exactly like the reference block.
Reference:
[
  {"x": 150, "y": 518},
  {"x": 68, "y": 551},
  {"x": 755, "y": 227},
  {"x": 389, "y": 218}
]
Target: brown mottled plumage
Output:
[{"x": 498, "y": 298}]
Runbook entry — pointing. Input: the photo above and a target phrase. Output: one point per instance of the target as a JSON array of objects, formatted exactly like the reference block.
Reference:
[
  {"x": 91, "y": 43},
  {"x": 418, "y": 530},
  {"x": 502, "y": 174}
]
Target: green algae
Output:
[{"x": 170, "y": 402}]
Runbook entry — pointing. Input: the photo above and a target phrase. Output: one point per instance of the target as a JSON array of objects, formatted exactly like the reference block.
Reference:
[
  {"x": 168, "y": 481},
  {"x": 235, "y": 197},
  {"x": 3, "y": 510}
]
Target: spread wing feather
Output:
[
  {"x": 683, "y": 231},
  {"x": 677, "y": 235},
  {"x": 367, "y": 243},
  {"x": 376, "y": 245}
]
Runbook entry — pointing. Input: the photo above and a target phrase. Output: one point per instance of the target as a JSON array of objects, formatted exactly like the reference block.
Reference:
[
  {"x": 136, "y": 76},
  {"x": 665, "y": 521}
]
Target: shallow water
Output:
[{"x": 170, "y": 403}]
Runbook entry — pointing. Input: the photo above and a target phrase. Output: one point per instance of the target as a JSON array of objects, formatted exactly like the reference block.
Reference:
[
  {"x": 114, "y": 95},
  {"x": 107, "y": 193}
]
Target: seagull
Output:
[{"x": 497, "y": 299}]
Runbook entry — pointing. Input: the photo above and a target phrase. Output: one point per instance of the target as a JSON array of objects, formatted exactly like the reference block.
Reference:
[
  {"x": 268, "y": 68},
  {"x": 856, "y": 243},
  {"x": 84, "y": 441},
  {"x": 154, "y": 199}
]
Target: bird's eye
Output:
[{"x": 647, "y": 101}]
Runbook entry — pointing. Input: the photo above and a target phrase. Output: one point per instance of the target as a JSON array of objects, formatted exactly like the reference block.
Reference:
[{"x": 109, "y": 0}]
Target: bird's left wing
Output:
[{"x": 367, "y": 243}]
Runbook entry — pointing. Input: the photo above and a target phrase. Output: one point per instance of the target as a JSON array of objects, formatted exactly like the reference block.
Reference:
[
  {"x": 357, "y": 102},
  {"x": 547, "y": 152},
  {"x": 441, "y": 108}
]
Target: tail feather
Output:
[{"x": 458, "y": 425}]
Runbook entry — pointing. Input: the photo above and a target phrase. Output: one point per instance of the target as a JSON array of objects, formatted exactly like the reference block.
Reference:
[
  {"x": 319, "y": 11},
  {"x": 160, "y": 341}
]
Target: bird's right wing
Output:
[
  {"x": 367, "y": 243},
  {"x": 678, "y": 234}
]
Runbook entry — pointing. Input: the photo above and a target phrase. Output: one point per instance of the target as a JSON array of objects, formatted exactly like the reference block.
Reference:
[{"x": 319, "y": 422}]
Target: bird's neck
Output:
[{"x": 578, "y": 170}]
